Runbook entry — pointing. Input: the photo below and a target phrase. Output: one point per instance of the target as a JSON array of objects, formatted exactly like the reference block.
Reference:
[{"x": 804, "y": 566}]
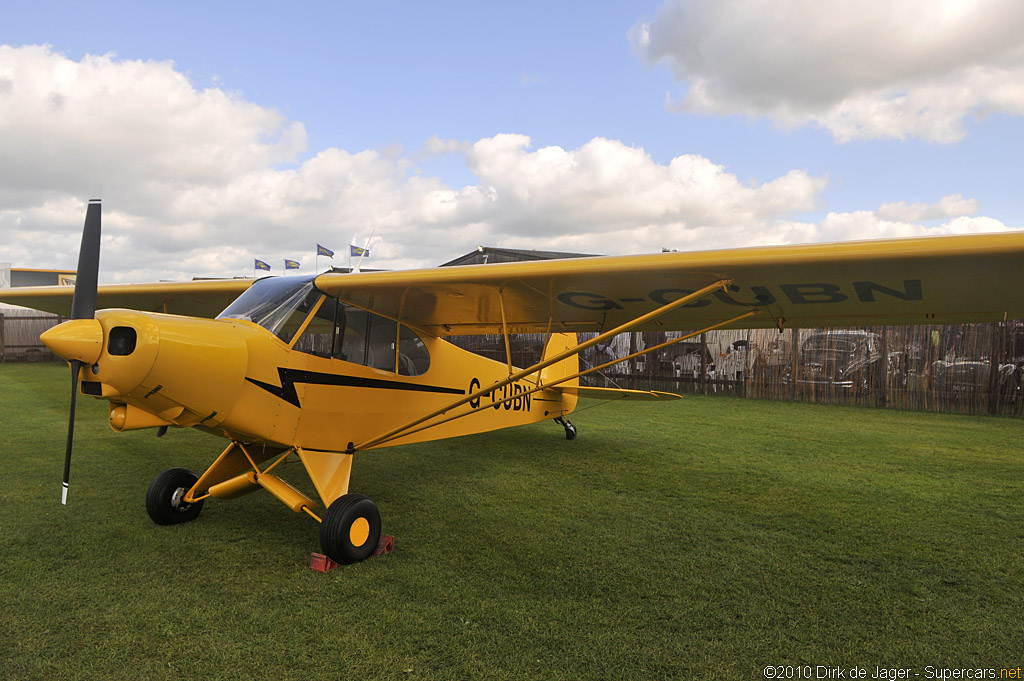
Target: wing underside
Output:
[{"x": 937, "y": 280}]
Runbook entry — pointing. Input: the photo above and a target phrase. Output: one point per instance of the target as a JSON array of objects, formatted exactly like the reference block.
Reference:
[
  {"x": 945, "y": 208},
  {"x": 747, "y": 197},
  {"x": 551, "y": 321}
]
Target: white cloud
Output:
[
  {"x": 950, "y": 206},
  {"x": 870, "y": 69},
  {"x": 871, "y": 225},
  {"x": 129, "y": 122},
  {"x": 199, "y": 182},
  {"x": 605, "y": 188},
  {"x": 435, "y": 146}
]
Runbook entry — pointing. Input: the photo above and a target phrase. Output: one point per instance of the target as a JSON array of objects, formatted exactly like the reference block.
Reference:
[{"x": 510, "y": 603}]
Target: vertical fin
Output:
[{"x": 560, "y": 342}]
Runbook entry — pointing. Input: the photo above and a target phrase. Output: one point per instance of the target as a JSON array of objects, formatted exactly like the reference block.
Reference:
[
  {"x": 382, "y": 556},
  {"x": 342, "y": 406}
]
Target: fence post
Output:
[
  {"x": 995, "y": 353},
  {"x": 703, "y": 364},
  {"x": 794, "y": 363},
  {"x": 882, "y": 369}
]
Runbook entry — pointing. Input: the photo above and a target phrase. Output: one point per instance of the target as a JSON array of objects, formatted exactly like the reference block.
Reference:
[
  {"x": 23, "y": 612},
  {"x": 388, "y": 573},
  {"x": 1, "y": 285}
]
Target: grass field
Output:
[{"x": 702, "y": 539}]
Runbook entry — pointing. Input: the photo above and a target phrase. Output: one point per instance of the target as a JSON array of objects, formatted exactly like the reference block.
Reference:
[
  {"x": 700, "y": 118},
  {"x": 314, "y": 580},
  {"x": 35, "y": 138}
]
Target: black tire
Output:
[
  {"x": 163, "y": 500},
  {"x": 350, "y": 530},
  {"x": 570, "y": 430}
]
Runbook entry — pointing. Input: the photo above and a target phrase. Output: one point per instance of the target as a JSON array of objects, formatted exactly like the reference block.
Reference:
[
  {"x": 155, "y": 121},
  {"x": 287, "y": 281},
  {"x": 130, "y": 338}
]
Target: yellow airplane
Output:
[{"x": 318, "y": 369}]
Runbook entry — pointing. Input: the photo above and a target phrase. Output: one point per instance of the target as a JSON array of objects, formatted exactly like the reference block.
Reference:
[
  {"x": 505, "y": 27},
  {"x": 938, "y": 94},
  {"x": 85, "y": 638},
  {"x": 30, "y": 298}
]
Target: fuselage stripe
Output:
[{"x": 289, "y": 377}]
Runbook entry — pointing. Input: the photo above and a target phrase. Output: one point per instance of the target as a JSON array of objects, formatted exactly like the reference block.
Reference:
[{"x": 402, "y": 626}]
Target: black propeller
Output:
[{"x": 83, "y": 306}]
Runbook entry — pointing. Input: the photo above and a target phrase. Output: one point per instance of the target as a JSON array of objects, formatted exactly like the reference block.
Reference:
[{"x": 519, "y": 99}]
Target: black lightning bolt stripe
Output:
[{"x": 289, "y": 377}]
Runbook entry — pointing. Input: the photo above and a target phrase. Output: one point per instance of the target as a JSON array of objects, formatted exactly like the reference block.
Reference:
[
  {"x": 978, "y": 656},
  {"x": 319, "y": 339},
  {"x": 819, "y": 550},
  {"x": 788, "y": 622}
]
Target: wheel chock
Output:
[
  {"x": 385, "y": 545},
  {"x": 321, "y": 563}
]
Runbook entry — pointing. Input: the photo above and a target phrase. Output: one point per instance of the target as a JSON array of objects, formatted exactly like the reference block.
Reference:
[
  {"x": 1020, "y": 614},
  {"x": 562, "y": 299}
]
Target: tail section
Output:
[{"x": 559, "y": 343}]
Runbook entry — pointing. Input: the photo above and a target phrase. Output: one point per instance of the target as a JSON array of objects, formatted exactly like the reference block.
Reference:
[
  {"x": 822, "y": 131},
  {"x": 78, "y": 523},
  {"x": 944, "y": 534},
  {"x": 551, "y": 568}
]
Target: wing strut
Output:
[
  {"x": 722, "y": 284},
  {"x": 504, "y": 330},
  {"x": 490, "y": 405}
]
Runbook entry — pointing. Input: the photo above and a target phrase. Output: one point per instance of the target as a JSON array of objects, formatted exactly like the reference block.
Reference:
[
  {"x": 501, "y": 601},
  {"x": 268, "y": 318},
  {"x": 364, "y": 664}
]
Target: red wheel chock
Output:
[
  {"x": 385, "y": 546},
  {"x": 322, "y": 563}
]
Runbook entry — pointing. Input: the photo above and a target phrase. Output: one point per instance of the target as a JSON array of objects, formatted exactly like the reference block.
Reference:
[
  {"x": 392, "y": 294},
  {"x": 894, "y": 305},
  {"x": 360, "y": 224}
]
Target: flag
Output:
[
  {"x": 320, "y": 250},
  {"x": 260, "y": 265},
  {"x": 292, "y": 264},
  {"x": 357, "y": 251}
]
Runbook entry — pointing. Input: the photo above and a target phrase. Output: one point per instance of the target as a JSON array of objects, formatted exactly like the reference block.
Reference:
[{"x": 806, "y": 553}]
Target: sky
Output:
[{"x": 217, "y": 133}]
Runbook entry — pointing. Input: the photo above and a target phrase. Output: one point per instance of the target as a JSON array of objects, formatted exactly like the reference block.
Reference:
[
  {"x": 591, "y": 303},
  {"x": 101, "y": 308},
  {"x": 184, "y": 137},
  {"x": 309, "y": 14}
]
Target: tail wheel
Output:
[
  {"x": 165, "y": 500},
  {"x": 570, "y": 430},
  {"x": 350, "y": 530}
]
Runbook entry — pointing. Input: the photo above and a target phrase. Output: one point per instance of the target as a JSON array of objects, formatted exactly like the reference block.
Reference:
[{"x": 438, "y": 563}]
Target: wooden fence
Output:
[
  {"x": 19, "y": 335},
  {"x": 965, "y": 368}
]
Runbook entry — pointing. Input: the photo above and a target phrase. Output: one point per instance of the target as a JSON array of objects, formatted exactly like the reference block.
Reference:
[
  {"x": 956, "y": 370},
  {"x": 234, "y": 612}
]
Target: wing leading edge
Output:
[
  {"x": 939, "y": 280},
  {"x": 202, "y": 298}
]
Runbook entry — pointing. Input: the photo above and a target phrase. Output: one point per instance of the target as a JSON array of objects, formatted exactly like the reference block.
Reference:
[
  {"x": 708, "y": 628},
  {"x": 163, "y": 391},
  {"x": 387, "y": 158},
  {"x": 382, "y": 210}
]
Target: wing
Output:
[
  {"x": 906, "y": 281},
  {"x": 203, "y": 298}
]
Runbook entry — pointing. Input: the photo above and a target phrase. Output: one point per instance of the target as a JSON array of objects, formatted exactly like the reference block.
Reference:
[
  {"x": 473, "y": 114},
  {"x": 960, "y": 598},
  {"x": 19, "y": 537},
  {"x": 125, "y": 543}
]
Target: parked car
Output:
[
  {"x": 967, "y": 376},
  {"x": 839, "y": 359}
]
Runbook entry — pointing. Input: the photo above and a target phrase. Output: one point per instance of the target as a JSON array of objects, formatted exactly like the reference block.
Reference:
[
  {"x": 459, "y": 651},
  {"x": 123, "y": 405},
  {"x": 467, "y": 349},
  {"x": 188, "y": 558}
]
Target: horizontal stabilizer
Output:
[{"x": 616, "y": 393}]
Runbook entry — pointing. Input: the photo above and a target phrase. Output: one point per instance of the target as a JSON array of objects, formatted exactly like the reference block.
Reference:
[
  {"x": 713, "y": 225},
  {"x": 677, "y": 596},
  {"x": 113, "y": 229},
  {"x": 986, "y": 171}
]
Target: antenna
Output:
[{"x": 365, "y": 249}]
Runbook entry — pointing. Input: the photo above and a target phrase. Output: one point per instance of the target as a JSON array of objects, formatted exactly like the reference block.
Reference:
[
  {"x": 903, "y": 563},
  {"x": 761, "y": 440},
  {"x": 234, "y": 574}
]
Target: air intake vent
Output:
[{"x": 121, "y": 341}]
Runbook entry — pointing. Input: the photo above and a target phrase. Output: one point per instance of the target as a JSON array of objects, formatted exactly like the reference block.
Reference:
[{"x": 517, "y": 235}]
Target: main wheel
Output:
[
  {"x": 350, "y": 530},
  {"x": 165, "y": 499}
]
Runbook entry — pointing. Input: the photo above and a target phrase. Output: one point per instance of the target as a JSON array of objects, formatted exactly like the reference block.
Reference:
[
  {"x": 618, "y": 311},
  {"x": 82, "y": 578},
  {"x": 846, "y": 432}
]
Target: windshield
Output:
[{"x": 271, "y": 301}]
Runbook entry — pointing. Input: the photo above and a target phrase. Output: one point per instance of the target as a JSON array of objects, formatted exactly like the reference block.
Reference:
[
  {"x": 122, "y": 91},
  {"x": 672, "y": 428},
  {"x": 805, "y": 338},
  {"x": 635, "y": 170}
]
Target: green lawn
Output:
[{"x": 705, "y": 538}]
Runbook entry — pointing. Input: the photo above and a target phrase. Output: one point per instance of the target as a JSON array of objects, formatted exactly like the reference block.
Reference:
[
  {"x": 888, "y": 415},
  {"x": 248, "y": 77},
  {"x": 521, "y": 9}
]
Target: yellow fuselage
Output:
[{"x": 236, "y": 379}]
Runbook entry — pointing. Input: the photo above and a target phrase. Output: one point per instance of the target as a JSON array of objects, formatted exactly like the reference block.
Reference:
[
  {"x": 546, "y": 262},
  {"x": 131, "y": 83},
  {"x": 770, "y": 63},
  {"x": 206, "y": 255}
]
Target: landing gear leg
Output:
[{"x": 570, "y": 430}]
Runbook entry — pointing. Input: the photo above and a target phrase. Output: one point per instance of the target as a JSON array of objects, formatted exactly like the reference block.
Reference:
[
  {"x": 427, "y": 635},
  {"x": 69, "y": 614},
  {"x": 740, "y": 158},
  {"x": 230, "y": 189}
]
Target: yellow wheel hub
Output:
[{"x": 359, "y": 532}]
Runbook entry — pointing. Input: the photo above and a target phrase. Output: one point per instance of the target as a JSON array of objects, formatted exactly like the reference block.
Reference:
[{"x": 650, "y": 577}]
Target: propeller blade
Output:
[
  {"x": 83, "y": 306},
  {"x": 75, "y": 366}
]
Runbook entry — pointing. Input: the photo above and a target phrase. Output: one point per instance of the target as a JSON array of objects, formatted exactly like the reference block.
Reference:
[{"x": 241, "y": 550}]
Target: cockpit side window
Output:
[
  {"x": 281, "y": 305},
  {"x": 413, "y": 358},
  {"x": 326, "y": 325},
  {"x": 353, "y": 335}
]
